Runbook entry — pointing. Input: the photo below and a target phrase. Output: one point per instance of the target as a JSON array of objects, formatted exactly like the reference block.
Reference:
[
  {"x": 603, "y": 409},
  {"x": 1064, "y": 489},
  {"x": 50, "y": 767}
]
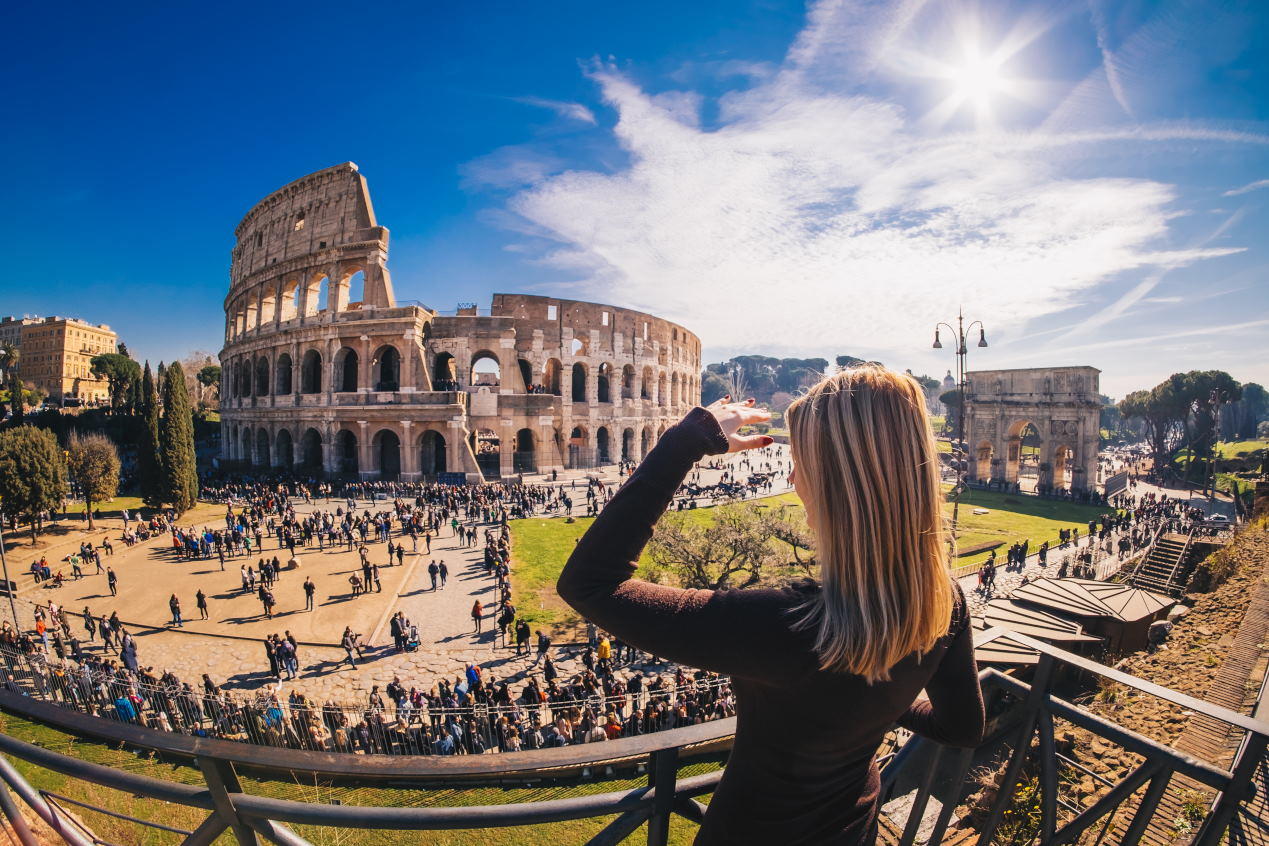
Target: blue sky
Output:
[{"x": 1091, "y": 179}]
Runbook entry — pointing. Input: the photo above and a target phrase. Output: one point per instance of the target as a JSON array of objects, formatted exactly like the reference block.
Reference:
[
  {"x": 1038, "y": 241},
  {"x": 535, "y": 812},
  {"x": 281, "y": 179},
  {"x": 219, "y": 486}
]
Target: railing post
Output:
[
  {"x": 662, "y": 774},
  {"x": 221, "y": 781}
]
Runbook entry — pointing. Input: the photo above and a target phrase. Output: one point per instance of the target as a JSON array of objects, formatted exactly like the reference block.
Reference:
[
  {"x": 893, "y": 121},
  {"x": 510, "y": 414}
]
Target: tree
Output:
[
  {"x": 1240, "y": 419},
  {"x": 735, "y": 550},
  {"x": 952, "y": 400},
  {"x": 119, "y": 371},
  {"x": 93, "y": 462},
  {"x": 1162, "y": 412},
  {"x": 9, "y": 357},
  {"x": 32, "y": 475},
  {"x": 149, "y": 463},
  {"x": 713, "y": 386},
  {"x": 209, "y": 379},
  {"x": 176, "y": 443}
]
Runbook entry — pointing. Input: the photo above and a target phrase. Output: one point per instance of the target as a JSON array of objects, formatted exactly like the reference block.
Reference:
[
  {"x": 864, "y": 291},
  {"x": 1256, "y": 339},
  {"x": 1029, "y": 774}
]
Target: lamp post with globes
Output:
[{"x": 960, "y": 454}]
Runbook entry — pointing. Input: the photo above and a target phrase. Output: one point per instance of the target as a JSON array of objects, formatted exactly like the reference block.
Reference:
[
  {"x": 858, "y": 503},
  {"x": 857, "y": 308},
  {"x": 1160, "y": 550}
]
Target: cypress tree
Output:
[
  {"x": 149, "y": 462},
  {"x": 176, "y": 442}
]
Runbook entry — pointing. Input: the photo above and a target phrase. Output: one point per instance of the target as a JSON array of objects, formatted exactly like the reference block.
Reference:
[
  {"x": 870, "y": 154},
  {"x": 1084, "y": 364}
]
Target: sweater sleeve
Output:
[
  {"x": 727, "y": 631},
  {"x": 952, "y": 711}
]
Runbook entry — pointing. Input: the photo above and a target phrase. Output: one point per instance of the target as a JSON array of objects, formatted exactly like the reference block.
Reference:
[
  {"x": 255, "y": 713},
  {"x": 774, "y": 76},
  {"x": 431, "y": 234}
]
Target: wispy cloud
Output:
[
  {"x": 814, "y": 209},
  {"x": 1251, "y": 186},
  {"x": 563, "y": 108}
]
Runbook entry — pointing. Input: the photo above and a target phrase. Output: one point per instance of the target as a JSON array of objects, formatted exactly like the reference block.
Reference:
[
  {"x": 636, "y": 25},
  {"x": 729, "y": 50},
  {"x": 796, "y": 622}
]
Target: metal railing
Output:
[{"x": 1023, "y": 713}]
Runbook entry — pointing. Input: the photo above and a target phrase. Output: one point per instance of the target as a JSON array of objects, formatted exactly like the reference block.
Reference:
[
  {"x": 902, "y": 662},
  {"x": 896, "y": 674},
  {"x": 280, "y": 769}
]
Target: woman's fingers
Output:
[{"x": 739, "y": 443}]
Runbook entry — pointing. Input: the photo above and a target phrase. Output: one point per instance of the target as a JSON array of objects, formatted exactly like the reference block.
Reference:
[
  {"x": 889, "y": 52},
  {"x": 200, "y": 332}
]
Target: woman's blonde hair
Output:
[{"x": 865, "y": 455}]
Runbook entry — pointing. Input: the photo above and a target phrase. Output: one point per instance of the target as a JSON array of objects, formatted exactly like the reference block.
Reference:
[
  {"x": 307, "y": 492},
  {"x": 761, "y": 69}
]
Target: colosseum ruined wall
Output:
[{"x": 324, "y": 372}]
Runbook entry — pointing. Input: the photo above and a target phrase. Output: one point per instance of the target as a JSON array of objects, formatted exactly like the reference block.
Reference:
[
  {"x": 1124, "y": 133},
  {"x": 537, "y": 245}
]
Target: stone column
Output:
[
  {"x": 409, "y": 452},
  {"x": 366, "y": 468},
  {"x": 365, "y": 371}
]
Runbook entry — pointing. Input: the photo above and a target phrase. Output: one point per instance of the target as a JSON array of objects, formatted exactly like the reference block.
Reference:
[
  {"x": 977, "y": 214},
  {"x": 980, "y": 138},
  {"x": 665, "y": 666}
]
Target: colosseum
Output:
[{"x": 324, "y": 372}]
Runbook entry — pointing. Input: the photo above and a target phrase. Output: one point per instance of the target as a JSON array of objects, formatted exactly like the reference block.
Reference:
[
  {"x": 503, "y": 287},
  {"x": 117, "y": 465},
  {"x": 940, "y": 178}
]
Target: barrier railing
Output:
[{"x": 1022, "y": 713}]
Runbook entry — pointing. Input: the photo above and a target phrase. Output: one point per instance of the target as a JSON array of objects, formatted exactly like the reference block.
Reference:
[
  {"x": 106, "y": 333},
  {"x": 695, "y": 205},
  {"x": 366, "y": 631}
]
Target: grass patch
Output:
[
  {"x": 540, "y": 546},
  {"x": 110, "y": 508},
  {"x": 1233, "y": 449}
]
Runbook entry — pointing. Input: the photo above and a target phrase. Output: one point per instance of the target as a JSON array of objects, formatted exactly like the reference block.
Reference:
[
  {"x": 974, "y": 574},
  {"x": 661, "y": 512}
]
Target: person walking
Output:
[
  {"x": 867, "y": 471},
  {"x": 200, "y": 600},
  {"x": 477, "y": 613},
  {"x": 433, "y": 570},
  {"x": 349, "y": 643},
  {"x": 175, "y": 604},
  {"x": 309, "y": 590},
  {"x": 112, "y": 581},
  {"x": 444, "y": 573}
]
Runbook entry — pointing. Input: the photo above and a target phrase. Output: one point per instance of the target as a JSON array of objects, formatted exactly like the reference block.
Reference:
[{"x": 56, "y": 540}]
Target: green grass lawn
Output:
[
  {"x": 541, "y": 546},
  {"x": 119, "y": 831},
  {"x": 110, "y": 508},
  {"x": 1232, "y": 449}
]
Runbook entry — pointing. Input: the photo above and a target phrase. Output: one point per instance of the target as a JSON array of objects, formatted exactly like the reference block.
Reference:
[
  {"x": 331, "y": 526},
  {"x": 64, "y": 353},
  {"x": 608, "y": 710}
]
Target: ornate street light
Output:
[{"x": 960, "y": 452}]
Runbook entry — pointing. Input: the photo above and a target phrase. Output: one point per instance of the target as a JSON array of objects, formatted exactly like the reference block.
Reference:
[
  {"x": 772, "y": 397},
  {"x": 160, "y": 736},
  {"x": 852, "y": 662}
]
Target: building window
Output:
[
  {"x": 259, "y": 240},
  {"x": 645, "y": 330},
  {"x": 604, "y": 317},
  {"x": 551, "y": 312},
  {"x": 299, "y": 221}
]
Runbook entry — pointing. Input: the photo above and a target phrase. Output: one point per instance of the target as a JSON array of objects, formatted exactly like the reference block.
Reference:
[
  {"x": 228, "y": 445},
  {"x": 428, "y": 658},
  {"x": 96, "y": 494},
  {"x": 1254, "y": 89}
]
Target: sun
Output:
[{"x": 977, "y": 81}]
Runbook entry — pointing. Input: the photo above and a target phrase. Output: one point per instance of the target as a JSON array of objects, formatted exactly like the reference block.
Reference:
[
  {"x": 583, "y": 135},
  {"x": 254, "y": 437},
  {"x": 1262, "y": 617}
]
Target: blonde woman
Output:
[{"x": 821, "y": 670}]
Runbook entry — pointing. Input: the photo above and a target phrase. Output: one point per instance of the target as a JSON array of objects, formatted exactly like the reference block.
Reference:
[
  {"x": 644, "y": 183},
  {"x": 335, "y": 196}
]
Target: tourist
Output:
[
  {"x": 349, "y": 642},
  {"x": 112, "y": 581},
  {"x": 433, "y": 570},
  {"x": 200, "y": 599},
  {"x": 309, "y": 590},
  {"x": 477, "y": 613},
  {"x": 444, "y": 573},
  {"x": 175, "y": 605},
  {"x": 859, "y": 436}
]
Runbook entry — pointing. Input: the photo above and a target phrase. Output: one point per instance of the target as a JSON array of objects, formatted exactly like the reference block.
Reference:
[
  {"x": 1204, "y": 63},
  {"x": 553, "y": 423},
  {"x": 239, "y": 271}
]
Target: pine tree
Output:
[
  {"x": 149, "y": 461},
  {"x": 176, "y": 443}
]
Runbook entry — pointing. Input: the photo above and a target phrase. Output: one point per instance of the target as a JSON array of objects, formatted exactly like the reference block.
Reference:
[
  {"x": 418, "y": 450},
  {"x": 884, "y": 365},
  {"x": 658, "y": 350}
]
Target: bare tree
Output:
[
  {"x": 735, "y": 550},
  {"x": 93, "y": 462}
]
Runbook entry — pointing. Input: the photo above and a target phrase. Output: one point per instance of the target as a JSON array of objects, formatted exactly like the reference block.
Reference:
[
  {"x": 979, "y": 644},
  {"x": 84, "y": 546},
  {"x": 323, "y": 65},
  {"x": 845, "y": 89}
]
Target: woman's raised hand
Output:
[{"x": 731, "y": 416}]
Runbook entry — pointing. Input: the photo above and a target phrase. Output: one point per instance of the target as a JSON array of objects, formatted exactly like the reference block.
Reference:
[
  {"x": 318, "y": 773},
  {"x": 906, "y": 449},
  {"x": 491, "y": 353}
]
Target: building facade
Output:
[
  {"x": 56, "y": 355},
  {"x": 323, "y": 372}
]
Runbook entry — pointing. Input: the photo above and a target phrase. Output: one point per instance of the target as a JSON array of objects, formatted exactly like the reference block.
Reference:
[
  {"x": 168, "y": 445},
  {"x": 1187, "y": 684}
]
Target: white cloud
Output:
[
  {"x": 1251, "y": 186},
  {"x": 811, "y": 216},
  {"x": 563, "y": 108}
]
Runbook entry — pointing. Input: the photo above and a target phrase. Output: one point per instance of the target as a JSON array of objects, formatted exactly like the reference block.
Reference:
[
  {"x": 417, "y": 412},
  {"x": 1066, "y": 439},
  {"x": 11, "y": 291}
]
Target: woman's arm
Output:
[
  {"x": 953, "y": 713},
  {"x": 723, "y": 631}
]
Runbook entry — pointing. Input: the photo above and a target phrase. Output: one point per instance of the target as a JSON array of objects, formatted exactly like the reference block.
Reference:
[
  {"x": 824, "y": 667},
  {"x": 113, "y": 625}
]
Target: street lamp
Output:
[{"x": 960, "y": 454}]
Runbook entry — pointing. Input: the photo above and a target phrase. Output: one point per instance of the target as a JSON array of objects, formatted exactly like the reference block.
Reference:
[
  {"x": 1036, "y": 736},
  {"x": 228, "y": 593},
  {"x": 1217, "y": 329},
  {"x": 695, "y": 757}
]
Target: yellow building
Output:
[{"x": 56, "y": 356}]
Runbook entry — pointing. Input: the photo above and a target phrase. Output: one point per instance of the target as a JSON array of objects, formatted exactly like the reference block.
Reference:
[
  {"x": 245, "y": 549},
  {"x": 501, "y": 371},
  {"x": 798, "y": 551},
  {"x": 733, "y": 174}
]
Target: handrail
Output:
[{"x": 1180, "y": 559}]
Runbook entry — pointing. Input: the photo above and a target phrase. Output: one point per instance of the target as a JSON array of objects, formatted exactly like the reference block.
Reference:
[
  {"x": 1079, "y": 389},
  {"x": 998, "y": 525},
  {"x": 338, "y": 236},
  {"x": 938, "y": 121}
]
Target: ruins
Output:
[{"x": 323, "y": 372}]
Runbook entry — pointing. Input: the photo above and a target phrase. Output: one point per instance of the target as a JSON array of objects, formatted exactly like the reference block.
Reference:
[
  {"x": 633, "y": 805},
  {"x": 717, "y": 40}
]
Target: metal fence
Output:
[
  {"x": 268, "y": 718},
  {"x": 1020, "y": 744}
]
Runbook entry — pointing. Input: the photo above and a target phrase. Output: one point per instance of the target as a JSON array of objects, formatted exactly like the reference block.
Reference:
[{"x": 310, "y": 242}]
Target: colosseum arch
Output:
[
  {"x": 387, "y": 451},
  {"x": 263, "y": 456},
  {"x": 1061, "y": 403},
  {"x": 385, "y": 368},
  {"x": 486, "y": 369},
  {"x": 347, "y": 371},
  {"x": 603, "y": 445},
  {"x": 277, "y": 320},
  {"x": 578, "y": 393}
]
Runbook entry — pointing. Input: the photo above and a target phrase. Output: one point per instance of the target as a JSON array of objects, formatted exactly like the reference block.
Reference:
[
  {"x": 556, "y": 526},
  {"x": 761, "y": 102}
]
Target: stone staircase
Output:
[{"x": 1166, "y": 568}]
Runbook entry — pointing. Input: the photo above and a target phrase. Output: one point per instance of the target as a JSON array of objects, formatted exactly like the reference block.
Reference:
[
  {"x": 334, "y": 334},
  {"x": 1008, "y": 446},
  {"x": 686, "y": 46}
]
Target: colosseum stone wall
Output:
[{"x": 325, "y": 373}]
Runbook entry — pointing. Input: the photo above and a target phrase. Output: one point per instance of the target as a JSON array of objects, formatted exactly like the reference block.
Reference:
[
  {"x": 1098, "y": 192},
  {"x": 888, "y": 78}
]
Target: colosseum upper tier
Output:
[{"x": 323, "y": 372}]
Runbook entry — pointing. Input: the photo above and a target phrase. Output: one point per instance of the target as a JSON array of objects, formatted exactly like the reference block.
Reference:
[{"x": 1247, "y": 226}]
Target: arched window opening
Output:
[
  {"x": 289, "y": 305},
  {"x": 388, "y": 452},
  {"x": 311, "y": 452},
  {"x": 577, "y": 445},
  {"x": 299, "y": 221},
  {"x": 284, "y": 450},
  {"x": 604, "y": 379},
  {"x": 551, "y": 376},
  {"x": 628, "y": 445},
  {"x": 487, "y": 446},
  {"x": 245, "y": 449},
  {"x": 645, "y": 384},
  {"x": 486, "y": 370},
  {"x": 282, "y": 380},
  {"x": 526, "y": 376},
  {"x": 262, "y": 448},
  {"x": 602, "y": 444},
  {"x": 627, "y": 382},
  {"x": 387, "y": 369},
  {"x": 579, "y": 382},
  {"x": 346, "y": 366},
  {"x": 645, "y": 442},
  {"x": 662, "y": 393},
  {"x": 262, "y": 377},
  {"x": 432, "y": 453},
  {"x": 524, "y": 460},
  {"x": 444, "y": 375},
  {"x": 355, "y": 286},
  {"x": 577, "y": 347},
  {"x": 346, "y": 452},
  {"x": 311, "y": 373}
]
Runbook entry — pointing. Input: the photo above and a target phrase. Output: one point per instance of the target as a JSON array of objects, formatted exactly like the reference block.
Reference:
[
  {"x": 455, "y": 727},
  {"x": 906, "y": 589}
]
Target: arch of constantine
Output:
[
  {"x": 323, "y": 372},
  {"x": 1042, "y": 422}
]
